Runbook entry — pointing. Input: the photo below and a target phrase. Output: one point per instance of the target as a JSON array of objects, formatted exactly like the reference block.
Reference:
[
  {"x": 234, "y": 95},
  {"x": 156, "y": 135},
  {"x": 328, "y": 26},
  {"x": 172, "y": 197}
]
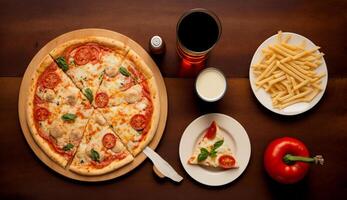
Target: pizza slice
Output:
[
  {"x": 212, "y": 151},
  {"x": 85, "y": 61},
  {"x": 134, "y": 123},
  {"x": 57, "y": 112},
  {"x": 122, "y": 83},
  {"x": 101, "y": 151}
]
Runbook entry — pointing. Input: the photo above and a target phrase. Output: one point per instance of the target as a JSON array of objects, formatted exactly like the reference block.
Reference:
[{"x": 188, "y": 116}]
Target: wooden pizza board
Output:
[{"x": 24, "y": 91}]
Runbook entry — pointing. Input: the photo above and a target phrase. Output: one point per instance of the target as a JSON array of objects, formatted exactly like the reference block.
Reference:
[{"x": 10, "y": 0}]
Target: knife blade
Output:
[{"x": 163, "y": 166}]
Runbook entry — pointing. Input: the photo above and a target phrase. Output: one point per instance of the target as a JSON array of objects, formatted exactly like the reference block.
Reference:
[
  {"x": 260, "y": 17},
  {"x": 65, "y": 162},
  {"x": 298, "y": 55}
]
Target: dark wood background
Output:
[{"x": 26, "y": 26}]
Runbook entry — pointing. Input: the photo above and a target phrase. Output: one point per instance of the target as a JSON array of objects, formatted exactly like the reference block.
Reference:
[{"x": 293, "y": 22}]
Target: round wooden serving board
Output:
[{"x": 24, "y": 89}]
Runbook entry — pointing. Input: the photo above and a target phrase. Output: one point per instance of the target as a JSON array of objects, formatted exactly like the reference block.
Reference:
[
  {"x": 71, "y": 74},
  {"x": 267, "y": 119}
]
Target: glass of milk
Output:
[{"x": 211, "y": 84}]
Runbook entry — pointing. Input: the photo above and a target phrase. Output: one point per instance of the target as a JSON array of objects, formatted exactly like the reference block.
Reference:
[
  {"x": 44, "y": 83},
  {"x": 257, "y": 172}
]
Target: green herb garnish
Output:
[
  {"x": 89, "y": 94},
  {"x": 203, "y": 154},
  {"x": 216, "y": 145},
  {"x": 124, "y": 71},
  {"x": 213, "y": 153},
  {"x": 68, "y": 147},
  {"x": 69, "y": 117},
  {"x": 95, "y": 155},
  {"x": 62, "y": 63}
]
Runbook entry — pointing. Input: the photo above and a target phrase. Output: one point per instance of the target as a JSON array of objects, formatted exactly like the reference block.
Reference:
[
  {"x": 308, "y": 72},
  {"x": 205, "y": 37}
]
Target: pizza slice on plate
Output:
[
  {"x": 57, "y": 112},
  {"x": 85, "y": 61},
  {"x": 134, "y": 123},
  {"x": 101, "y": 150},
  {"x": 212, "y": 151},
  {"x": 124, "y": 83}
]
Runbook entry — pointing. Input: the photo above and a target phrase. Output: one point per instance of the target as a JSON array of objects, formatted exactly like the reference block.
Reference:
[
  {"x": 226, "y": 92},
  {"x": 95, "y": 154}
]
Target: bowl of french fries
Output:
[{"x": 288, "y": 73}]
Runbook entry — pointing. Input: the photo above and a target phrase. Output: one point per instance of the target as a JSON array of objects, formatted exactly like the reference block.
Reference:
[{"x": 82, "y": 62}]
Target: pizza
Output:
[
  {"x": 57, "y": 112},
  {"x": 101, "y": 150},
  {"x": 93, "y": 105},
  {"x": 133, "y": 122},
  {"x": 212, "y": 151}
]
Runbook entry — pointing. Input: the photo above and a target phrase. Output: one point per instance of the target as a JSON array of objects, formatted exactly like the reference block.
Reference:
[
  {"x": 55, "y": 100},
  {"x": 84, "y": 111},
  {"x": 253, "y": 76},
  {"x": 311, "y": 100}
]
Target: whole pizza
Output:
[{"x": 93, "y": 105}]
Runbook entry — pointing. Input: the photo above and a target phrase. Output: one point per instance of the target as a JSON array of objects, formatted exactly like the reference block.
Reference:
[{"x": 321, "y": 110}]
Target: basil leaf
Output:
[
  {"x": 124, "y": 71},
  {"x": 62, "y": 63},
  {"x": 213, "y": 153},
  {"x": 68, "y": 147},
  {"x": 218, "y": 144},
  {"x": 89, "y": 94},
  {"x": 203, "y": 154},
  {"x": 95, "y": 155},
  {"x": 69, "y": 117}
]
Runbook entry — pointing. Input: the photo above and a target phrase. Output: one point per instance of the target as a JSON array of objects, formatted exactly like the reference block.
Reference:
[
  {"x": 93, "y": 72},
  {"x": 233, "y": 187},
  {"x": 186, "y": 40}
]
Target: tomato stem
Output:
[{"x": 290, "y": 159}]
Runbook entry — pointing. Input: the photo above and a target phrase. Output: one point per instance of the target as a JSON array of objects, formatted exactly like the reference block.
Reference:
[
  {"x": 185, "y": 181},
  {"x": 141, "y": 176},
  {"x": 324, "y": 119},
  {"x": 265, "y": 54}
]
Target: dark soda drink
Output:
[{"x": 198, "y": 30}]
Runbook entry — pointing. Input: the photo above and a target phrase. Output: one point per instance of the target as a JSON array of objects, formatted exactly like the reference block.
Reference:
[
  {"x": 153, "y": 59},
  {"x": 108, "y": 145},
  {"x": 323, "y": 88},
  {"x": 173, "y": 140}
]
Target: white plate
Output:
[
  {"x": 265, "y": 99},
  {"x": 235, "y": 136}
]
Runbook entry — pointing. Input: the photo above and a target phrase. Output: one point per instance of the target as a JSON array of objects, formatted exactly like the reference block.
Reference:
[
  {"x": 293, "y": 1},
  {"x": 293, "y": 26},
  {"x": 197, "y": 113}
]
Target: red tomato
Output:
[
  {"x": 226, "y": 161},
  {"x": 94, "y": 54},
  {"x": 50, "y": 80},
  {"x": 109, "y": 140},
  {"x": 211, "y": 131},
  {"x": 52, "y": 67},
  {"x": 138, "y": 122},
  {"x": 41, "y": 114},
  {"x": 82, "y": 55},
  {"x": 275, "y": 165},
  {"x": 87, "y": 53},
  {"x": 101, "y": 99}
]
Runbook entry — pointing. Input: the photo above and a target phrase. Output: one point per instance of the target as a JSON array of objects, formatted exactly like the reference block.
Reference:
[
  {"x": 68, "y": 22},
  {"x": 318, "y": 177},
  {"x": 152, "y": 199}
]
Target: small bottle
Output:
[{"x": 156, "y": 45}]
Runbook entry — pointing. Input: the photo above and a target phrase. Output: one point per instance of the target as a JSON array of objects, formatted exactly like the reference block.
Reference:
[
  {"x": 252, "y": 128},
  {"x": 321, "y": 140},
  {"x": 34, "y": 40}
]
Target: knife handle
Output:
[{"x": 157, "y": 172}]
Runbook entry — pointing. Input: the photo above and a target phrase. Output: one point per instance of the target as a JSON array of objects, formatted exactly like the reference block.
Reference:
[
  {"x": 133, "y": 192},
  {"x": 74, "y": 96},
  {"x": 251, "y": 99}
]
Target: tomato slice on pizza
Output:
[
  {"x": 57, "y": 112},
  {"x": 212, "y": 151},
  {"x": 101, "y": 150}
]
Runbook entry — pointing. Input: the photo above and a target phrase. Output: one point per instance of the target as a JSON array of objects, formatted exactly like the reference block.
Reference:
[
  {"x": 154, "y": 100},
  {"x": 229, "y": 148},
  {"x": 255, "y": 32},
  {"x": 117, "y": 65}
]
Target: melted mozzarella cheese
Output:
[
  {"x": 133, "y": 94},
  {"x": 118, "y": 147},
  {"x": 45, "y": 94},
  {"x": 79, "y": 73},
  {"x": 110, "y": 59},
  {"x": 142, "y": 105}
]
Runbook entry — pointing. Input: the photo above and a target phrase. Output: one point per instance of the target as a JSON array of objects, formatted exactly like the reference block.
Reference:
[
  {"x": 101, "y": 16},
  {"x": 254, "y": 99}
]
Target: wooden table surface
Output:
[{"x": 26, "y": 26}]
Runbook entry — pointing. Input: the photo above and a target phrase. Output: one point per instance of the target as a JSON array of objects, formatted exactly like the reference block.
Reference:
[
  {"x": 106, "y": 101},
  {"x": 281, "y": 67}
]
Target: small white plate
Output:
[
  {"x": 265, "y": 99},
  {"x": 234, "y": 135}
]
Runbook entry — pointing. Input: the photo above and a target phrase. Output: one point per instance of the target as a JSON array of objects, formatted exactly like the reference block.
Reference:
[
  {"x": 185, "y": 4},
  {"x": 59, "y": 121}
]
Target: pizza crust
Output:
[
  {"x": 88, "y": 171},
  {"x": 43, "y": 144},
  {"x": 115, "y": 45},
  {"x": 139, "y": 63}
]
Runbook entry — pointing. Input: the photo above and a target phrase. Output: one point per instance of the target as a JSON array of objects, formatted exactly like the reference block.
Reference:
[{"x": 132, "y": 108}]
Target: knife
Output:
[{"x": 162, "y": 166}]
